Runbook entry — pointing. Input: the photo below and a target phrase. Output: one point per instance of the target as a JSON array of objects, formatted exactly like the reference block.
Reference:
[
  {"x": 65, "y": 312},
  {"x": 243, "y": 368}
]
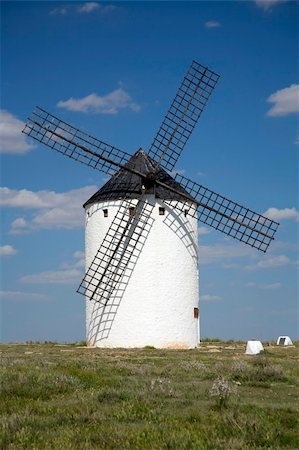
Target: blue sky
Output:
[{"x": 112, "y": 69}]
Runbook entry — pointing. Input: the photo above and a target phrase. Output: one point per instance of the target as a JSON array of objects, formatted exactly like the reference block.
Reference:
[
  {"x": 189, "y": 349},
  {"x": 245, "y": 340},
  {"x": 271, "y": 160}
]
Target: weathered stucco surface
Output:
[{"x": 157, "y": 307}]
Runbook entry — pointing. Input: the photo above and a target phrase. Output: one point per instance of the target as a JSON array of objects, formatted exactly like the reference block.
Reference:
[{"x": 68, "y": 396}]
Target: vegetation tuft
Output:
[{"x": 214, "y": 397}]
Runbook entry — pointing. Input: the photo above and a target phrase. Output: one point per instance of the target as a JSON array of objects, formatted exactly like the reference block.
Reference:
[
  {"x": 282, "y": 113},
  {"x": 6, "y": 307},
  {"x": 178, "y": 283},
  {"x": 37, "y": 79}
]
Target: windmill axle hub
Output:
[{"x": 149, "y": 181}]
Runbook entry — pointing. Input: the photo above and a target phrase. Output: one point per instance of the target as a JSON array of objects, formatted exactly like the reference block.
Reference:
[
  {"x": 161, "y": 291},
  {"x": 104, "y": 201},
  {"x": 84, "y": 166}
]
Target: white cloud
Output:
[
  {"x": 275, "y": 261},
  {"x": 78, "y": 254},
  {"x": 66, "y": 217},
  {"x": 110, "y": 103},
  {"x": 59, "y": 11},
  {"x": 266, "y": 4},
  {"x": 19, "y": 224},
  {"x": 12, "y": 140},
  {"x": 209, "y": 298},
  {"x": 64, "y": 276},
  {"x": 107, "y": 8},
  {"x": 225, "y": 253},
  {"x": 282, "y": 214},
  {"x": 80, "y": 259},
  {"x": 88, "y": 7},
  {"x": 230, "y": 266},
  {"x": 78, "y": 263},
  {"x": 68, "y": 273},
  {"x": 285, "y": 101},
  {"x": 22, "y": 296},
  {"x": 24, "y": 198},
  {"x": 84, "y": 8},
  {"x": 212, "y": 24},
  {"x": 43, "y": 199},
  {"x": 272, "y": 286},
  {"x": 55, "y": 210},
  {"x": 263, "y": 286},
  {"x": 219, "y": 252},
  {"x": 7, "y": 250},
  {"x": 203, "y": 230},
  {"x": 270, "y": 263}
]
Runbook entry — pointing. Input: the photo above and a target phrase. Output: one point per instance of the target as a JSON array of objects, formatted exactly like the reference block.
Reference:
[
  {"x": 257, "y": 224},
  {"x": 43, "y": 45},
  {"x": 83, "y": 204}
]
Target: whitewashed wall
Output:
[{"x": 157, "y": 307}]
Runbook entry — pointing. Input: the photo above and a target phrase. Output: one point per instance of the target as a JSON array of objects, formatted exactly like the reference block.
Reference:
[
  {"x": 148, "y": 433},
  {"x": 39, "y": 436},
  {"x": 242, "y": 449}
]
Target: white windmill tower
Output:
[
  {"x": 141, "y": 281},
  {"x": 156, "y": 295}
]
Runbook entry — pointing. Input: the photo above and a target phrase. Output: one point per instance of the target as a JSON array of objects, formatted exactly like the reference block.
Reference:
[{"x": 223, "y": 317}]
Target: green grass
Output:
[{"x": 69, "y": 397}]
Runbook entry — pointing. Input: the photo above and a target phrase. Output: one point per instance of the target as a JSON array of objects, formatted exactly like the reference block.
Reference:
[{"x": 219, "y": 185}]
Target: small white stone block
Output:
[
  {"x": 284, "y": 340},
  {"x": 254, "y": 347}
]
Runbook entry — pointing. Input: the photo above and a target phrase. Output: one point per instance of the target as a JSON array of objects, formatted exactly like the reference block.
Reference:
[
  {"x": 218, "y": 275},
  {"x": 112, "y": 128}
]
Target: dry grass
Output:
[{"x": 70, "y": 397}]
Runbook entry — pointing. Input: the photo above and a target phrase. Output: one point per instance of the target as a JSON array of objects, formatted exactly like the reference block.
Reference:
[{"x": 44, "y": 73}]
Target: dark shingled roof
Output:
[{"x": 124, "y": 184}]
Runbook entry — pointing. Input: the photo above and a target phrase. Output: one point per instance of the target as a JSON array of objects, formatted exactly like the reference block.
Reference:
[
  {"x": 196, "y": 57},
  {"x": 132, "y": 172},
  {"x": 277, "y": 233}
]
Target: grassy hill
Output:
[{"x": 214, "y": 397}]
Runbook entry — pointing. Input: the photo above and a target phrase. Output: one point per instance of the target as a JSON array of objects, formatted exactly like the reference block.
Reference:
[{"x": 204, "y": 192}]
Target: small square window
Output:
[
  {"x": 105, "y": 211},
  {"x": 161, "y": 211},
  {"x": 131, "y": 211},
  {"x": 196, "y": 312}
]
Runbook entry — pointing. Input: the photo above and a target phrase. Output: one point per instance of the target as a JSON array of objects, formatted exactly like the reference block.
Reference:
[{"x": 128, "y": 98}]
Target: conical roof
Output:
[{"x": 126, "y": 185}]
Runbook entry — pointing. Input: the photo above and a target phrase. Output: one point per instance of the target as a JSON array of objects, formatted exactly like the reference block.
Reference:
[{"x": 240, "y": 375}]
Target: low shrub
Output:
[
  {"x": 221, "y": 391},
  {"x": 261, "y": 370}
]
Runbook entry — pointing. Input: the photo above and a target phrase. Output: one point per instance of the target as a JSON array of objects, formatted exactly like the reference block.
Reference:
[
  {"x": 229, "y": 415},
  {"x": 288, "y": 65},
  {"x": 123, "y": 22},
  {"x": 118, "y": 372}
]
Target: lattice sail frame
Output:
[
  {"x": 224, "y": 215},
  {"x": 73, "y": 143},
  {"x": 108, "y": 296},
  {"x": 118, "y": 251},
  {"x": 184, "y": 112}
]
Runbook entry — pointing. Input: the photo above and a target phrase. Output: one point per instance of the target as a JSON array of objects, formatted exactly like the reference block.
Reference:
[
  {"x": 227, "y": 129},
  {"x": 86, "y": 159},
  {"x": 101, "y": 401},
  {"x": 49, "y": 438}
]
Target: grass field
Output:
[{"x": 214, "y": 397}]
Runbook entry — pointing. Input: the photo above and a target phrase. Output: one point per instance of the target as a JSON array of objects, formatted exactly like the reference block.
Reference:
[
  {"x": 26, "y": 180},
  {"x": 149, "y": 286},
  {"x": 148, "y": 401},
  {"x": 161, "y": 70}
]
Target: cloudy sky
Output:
[{"x": 112, "y": 69}]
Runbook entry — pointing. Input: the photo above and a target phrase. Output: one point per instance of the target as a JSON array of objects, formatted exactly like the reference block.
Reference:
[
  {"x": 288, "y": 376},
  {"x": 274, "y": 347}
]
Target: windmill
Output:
[{"x": 141, "y": 280}]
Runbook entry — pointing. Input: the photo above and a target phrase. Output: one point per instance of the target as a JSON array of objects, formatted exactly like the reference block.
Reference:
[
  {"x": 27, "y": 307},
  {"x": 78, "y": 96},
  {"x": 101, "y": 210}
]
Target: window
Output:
[
  {"x": 195, "y": 313},
  {"x": 186, "y": 212},
  {"x": 161, "y": 211},
  {"x": 105, "y": 211},
  {"x": 131, "y": 211}
]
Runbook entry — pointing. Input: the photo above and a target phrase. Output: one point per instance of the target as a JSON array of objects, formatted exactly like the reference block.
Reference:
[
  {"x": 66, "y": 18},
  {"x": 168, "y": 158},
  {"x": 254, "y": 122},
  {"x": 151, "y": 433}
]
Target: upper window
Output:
[
  {"x": 161, "y": 211},
  {"x": 105, "y": 211},
  {"x": 131, "y": 211}
]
